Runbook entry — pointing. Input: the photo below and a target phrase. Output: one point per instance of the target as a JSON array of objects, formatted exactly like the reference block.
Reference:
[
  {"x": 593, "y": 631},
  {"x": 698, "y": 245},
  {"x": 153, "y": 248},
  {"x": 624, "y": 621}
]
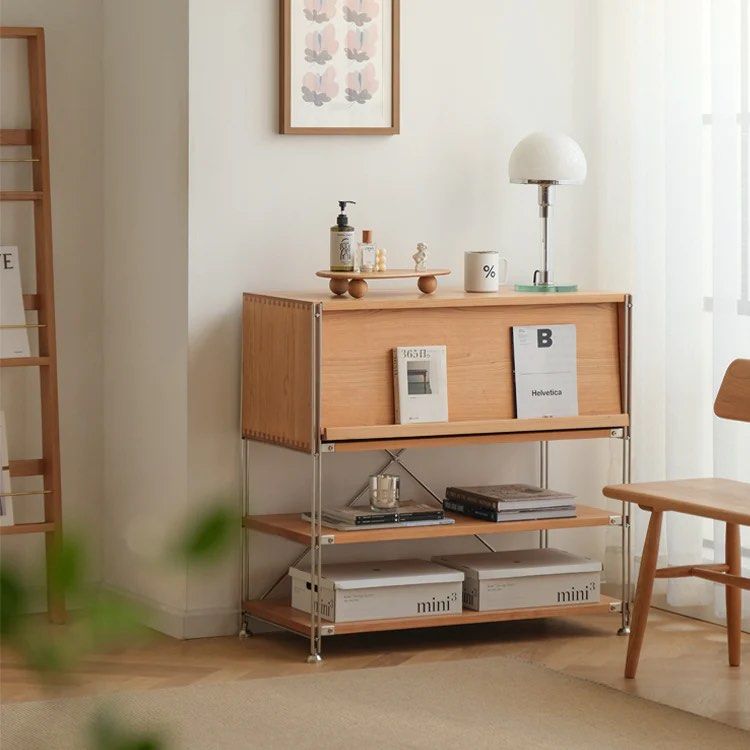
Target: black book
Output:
[
  {"x": 366, "y": 517},
  {"x": 510, "y": 496},
  {"x": 500, "y": 516}
]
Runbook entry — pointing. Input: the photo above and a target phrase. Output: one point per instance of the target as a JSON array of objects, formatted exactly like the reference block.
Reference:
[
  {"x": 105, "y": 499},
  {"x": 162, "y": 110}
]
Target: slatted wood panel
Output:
[
  {"x": 277, "y": 362},
  {"x": 358, "y": 369}
]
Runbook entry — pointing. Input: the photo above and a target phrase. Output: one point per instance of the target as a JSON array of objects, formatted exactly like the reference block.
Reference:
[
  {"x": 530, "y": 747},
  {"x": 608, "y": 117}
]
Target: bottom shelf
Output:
[{"x": 279, "y": 612}]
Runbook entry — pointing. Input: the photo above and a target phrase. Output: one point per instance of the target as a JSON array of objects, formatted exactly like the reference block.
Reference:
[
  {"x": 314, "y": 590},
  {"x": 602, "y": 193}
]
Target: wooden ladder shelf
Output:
[{"x": 43, "y": 302}]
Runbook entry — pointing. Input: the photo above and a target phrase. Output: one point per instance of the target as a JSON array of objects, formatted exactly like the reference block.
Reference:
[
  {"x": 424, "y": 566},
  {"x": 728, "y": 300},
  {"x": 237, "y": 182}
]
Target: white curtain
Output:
[{"x": 672, "y": 176}]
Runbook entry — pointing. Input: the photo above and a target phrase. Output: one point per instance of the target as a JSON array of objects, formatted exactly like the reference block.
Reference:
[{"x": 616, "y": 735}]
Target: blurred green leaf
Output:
[
  {"x": 12, "y": 602},
  {"x": 209, "y": 536},
  {"x": 67, "y": 566},
  {"x": 108, "y": 734},
  {"x": 47, "y": 655},
  {"x": 111, "y": 619}
]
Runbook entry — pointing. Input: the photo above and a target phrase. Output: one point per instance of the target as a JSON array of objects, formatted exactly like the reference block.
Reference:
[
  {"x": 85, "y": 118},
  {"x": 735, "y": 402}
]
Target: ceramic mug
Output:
[{"x": 482, "y": 271}]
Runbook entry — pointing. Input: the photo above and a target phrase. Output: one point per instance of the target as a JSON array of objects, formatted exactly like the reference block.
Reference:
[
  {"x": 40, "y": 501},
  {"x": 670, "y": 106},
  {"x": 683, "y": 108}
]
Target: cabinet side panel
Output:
[
  {"x": 277, "y": 361},
  {"x": 357, "y": 358}
]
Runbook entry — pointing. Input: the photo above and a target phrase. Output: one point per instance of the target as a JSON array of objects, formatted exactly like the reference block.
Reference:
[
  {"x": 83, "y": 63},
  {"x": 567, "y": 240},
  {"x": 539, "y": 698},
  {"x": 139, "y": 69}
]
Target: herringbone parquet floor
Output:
[{"x": 683, "y": 664}]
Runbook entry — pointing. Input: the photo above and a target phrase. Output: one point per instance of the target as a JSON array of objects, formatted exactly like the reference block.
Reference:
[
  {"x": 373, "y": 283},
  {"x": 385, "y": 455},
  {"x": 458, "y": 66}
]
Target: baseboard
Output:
[{"x": 183, "y": 624}]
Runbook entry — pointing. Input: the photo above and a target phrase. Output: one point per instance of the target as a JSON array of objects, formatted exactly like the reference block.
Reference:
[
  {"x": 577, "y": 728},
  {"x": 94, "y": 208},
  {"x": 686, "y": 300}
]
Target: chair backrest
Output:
[{"x": 733, "y": 398}]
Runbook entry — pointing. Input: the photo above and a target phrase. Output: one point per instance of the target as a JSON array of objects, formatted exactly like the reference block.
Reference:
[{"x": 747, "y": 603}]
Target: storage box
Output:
[
  {"x": 517, "y": 579},
  {"x": 381, "y": 590}
]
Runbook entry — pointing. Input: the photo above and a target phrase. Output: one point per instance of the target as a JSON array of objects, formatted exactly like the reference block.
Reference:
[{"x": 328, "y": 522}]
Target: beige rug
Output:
[{"x": 476, "y": 704}]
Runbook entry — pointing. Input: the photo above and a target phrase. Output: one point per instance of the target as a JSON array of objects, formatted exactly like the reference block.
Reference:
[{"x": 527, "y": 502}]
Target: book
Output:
[
  {"x": 545, "y": 370},
  {"x": 501, "y": 516},
  {"x": 343, "y": 526},
  {"x": 6, "y": 503},
  {"x": 510, "y": 496},
  {"x": 360, "y": 516},
  {"x": 420, "y": 384},
  {"x": 14, "y": 342}
]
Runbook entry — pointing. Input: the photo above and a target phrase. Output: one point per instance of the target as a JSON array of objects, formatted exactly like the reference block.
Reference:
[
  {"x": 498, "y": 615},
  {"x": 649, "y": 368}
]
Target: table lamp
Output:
[{"x": 546, "y": 159}]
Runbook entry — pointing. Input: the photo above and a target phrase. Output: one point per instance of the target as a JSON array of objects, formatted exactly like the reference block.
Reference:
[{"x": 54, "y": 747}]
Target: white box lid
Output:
[
  {"x": 367, "y": 575},
  {"x": 520, "y": 563}
]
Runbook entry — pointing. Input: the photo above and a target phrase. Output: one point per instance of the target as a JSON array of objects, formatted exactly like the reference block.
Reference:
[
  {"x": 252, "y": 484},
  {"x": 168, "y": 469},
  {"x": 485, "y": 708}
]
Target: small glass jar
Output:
[{"x": 384, "y": 491}]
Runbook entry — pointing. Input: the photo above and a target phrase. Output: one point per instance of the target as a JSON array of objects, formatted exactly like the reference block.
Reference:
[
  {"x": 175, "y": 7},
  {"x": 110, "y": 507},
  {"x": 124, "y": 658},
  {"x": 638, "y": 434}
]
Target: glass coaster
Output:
[{"x": 544, "y": 288}]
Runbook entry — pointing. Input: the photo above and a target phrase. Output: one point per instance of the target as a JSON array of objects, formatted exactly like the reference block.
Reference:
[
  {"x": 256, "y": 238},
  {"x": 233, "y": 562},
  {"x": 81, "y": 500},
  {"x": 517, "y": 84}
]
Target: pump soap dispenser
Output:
[{"x": 343, "y": 243}]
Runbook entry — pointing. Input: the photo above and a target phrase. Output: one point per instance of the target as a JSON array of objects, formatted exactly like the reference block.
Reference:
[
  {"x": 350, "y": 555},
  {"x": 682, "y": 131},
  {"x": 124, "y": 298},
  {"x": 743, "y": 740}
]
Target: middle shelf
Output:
[{"x": 291, "y": 526}]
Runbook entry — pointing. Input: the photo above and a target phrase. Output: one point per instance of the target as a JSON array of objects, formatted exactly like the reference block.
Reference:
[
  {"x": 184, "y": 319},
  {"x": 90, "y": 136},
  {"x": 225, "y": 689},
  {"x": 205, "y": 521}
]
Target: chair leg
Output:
[
  {"x": 733, "y": 594},
  {"x": 643, "y": 593}
]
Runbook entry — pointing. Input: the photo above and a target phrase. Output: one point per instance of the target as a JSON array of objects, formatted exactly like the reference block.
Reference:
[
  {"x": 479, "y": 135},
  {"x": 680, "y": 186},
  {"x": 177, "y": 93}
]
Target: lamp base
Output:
[{"x": 546, "y": 288}]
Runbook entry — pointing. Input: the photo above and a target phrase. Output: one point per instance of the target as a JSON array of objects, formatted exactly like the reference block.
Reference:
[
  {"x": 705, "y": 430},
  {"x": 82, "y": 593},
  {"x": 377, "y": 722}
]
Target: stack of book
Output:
[
  {"x": 407, "y": 514},
  {"x": 509, "y": 502}
]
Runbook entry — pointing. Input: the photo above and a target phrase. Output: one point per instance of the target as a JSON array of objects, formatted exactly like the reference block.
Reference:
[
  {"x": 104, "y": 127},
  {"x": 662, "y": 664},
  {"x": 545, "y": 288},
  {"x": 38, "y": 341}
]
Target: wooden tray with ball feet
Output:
[{"x": 342, "y": 282}]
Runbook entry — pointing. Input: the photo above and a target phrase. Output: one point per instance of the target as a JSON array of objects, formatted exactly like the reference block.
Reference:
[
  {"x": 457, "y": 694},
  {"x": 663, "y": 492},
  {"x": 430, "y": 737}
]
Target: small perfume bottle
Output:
[{"x": 366, "y": 252}]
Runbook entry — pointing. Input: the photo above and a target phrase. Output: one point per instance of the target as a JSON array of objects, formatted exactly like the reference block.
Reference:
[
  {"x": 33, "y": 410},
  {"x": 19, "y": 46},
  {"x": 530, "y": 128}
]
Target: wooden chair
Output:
[{"x": 718, "y": 499}]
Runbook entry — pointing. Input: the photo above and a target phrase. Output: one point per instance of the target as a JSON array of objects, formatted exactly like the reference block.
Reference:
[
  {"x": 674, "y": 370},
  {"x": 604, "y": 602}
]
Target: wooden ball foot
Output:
[
  {"x": 357, "y": 288},
  {"x": 338, "y": 286},
  {"x": 427, "y": 284}
]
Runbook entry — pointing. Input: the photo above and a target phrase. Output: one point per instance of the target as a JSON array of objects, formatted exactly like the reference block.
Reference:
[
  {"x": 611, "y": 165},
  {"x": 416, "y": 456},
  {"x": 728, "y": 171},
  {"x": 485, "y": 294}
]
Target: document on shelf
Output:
[{"x": 546, "y": 377}]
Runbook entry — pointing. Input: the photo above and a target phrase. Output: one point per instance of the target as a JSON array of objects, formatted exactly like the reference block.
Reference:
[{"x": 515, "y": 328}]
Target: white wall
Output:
[
  {"x": 154, "y": 421},
  {"x": 261, "y": 204},
  {"x": 74, "y": 80},
  {"x": 145, "y": 297}
]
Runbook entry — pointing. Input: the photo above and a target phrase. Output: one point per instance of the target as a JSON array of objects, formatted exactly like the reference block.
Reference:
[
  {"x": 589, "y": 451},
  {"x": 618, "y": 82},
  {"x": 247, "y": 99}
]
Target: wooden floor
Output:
[{"x": 683, "y": 664}]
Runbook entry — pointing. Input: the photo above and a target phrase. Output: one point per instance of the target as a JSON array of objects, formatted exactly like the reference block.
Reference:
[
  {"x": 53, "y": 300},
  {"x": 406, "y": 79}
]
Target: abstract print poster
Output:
[{"x": 339, "y": 63}]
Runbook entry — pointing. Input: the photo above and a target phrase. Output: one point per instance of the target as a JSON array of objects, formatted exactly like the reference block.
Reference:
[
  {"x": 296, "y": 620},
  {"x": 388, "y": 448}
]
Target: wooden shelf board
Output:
[
  {"x": 433, "y": 442},
  {"x": 397, "y": 299},
  {"x": 27, "y": 467},
  {"x": 21, "y": 195},
  {"x": 16, "y": 137},
  {"x": 291, "y": 526},
  {"x": 279, "y": 612},
  {"x": 394, "y": 273},
  {"x": 24, "y": 361},
  {"x": 496, "y": 426},
  {"x": 27, "y": 528}
]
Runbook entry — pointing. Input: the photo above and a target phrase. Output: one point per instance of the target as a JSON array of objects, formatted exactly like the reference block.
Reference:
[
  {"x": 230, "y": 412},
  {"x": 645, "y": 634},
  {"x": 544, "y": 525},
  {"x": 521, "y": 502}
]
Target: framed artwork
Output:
[{"x": 339, "y": 67}]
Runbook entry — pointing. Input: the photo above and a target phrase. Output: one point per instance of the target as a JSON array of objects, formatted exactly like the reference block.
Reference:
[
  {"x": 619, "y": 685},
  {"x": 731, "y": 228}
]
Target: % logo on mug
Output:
[{"x": 482, "y": 272}]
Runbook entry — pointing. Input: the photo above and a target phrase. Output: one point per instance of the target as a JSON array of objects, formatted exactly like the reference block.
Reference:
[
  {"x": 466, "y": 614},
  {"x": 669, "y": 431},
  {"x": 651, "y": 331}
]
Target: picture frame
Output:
[{"x": 339, "y": 67}]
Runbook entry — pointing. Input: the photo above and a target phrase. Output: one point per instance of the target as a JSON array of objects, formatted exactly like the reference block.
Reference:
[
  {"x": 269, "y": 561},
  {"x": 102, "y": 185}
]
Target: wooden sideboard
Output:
[{"x": 317, "y": 377}]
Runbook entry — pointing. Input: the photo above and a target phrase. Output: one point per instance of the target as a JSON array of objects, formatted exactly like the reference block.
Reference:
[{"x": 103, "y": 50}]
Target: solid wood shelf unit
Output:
[
  {"x": 36, "y": 138},
  {"x": 317, "y": 378}
]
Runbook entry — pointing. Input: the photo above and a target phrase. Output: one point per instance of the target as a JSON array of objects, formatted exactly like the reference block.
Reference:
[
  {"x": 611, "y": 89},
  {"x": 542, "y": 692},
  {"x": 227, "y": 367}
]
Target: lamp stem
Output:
[{"x": 544, "y": 276}]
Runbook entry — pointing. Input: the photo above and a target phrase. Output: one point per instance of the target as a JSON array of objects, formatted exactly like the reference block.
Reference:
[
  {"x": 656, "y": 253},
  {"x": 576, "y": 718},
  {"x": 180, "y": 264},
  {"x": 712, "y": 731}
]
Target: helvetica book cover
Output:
[{"x": 546, "y": 377}]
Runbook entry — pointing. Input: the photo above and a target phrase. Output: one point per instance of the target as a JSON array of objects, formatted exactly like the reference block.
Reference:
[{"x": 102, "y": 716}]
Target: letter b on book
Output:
[{"x": 543, "y": 338}]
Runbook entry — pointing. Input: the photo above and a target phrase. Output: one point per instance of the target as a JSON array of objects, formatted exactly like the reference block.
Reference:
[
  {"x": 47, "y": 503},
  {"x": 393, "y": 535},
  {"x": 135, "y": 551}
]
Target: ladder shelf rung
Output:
[
  {"x": 21, "y": 195},
  {"x": 20, "y": 32},
  {"x": 28, "y": 528},
  {"x": 24, "y": 362},
  {"x": 27, "y": 467},
  {"x": 16, "y": 137},
  {"x": 31, "y": 301}
]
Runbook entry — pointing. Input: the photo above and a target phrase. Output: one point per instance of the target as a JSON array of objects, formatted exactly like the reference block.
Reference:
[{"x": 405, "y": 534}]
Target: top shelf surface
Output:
[{"x": 395, "y": 299}]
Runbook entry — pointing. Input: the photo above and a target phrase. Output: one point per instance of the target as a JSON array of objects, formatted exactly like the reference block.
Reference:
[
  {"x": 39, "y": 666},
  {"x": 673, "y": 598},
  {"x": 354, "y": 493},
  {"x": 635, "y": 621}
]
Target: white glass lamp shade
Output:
[{"x": 553, "y": 158}]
